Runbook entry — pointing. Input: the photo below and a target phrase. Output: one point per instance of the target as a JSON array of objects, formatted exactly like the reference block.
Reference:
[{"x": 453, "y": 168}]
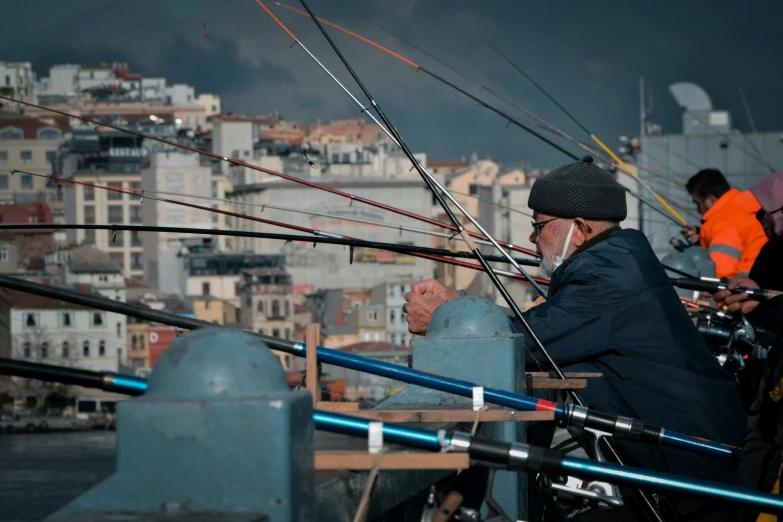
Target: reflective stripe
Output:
[{"x": 736, "y": 253}]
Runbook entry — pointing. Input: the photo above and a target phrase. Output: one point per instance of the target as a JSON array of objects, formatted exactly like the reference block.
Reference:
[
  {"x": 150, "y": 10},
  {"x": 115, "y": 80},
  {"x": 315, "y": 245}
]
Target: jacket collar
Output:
[
  {"x": 722, "y": 202},
  {"x": 596, "y": 239}
]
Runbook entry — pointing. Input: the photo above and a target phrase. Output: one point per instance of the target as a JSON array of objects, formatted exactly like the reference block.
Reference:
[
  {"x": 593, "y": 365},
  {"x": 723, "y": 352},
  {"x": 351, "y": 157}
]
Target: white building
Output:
[
  {"x": 90, "y": 266},
  {"x": 54, "y": 332},
  {"x": 329, "y": 265},
  {"x": 177, "y": 173},
  {"x": 181, "y": 94},
  {"x": 17, "y": 80},
  {"x": 232, "y": 137},
  {"x": 391, "y": 295}
]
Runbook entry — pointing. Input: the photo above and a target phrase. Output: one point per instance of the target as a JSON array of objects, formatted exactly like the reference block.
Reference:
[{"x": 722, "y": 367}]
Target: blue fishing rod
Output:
[
  {"x": 567, "y": 414},
  {"x": 510, "y": 455}
]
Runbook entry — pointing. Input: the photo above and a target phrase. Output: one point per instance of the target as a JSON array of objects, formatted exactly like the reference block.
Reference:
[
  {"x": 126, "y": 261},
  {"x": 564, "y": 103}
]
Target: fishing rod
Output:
[
  {"x": 513, "y": 456},
  {"x": 142, "y": 195},
  {"x": 569, "y": 414},
  {"x": 713, "y": 286},
  {"x": 351, "y": 197},
  {"x": 350, "y": 242},
  {"x": 595, "y": 138},
  {"x": 401, "y": 228},
  {"x": 495, "y": 110},
  {"x": 541, "y": 121},
  {"x": 435, "y": 187}
]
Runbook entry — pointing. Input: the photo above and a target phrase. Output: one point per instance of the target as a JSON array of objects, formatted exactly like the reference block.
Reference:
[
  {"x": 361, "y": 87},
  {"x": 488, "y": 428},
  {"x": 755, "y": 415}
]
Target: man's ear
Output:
[{"x": 582, "y": 232}]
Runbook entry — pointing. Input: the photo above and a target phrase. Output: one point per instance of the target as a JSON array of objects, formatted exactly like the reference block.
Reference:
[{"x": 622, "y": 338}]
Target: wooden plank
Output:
[
  {"x": 559, "y": 384},
  {"x": 431, "y": 416},
  {"x": 571, "y": 375},
  {"x": 312, "y": 340},
  {"x": 357, "y": 460},
  {"x": 352, "y": 407}
]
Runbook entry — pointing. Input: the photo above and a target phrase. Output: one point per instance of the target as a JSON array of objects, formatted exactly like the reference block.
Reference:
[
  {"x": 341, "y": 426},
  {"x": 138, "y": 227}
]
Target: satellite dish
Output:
[{"x": 690, "y": 96}]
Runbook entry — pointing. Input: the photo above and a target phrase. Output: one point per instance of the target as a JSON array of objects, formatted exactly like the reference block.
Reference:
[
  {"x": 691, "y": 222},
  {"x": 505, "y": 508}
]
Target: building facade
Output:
[
  {"x": 391, "y": 296},
  {"x": 50, "y": 331}
]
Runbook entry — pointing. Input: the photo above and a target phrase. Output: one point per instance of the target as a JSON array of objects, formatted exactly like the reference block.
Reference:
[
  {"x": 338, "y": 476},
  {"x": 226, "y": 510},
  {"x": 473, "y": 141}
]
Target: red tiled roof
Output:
[
  {"x": 31, "y": 126},
  {"x": 447, "y": 163}
]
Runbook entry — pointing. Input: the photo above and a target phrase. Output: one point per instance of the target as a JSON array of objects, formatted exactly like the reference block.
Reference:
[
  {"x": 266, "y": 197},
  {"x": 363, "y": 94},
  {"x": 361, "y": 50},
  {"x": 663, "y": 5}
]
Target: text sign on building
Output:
[
  {"x": 127, "y": 152},
  {"x": 159, "y": 338}
]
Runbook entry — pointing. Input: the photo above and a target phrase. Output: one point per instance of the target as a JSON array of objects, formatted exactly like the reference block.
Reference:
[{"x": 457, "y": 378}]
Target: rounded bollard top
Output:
[
  {"x": 216, "y": 363},
  {"x": 469, "y": 316},
  {"x": 682, "y": 262}
]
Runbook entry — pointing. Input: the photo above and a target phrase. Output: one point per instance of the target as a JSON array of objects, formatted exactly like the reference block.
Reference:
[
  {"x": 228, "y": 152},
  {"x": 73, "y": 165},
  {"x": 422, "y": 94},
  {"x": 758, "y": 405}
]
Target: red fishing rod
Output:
[
  {"x": 140, "y": 194},
  {"x": 301, "y": 181}
]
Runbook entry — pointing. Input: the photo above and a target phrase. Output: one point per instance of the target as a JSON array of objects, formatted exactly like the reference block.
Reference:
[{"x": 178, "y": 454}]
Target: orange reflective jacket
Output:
[{"x": 731, "y": 233}]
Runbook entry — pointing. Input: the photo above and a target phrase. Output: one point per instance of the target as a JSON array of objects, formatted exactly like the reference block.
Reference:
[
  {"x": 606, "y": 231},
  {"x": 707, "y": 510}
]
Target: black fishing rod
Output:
[
  {"x": 513, "y": 456},
  {"x": 353, "y": 243},
  {"x": 569, "y": 414},
  {"x": 713, "y": 286}
]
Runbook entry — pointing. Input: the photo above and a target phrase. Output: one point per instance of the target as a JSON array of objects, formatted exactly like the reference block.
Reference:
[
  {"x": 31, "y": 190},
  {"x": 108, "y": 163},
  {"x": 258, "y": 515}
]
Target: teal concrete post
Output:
[
  {"x": 470, "y": 338},
  {"x": 218, "y": 431}
]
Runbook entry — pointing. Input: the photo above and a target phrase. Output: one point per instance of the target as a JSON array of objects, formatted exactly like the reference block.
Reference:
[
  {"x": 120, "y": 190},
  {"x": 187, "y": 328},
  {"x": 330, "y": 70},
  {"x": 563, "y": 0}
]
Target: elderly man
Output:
[{"x": 612, "y": 309}]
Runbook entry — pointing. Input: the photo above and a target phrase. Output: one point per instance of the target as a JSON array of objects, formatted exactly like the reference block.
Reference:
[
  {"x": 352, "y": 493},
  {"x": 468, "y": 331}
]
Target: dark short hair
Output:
[{"x": 708, "y": 182}]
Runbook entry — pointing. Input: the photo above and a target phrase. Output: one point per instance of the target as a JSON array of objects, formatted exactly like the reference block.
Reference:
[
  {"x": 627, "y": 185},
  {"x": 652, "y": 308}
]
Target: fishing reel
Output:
[{"x": 730, "y": 337}]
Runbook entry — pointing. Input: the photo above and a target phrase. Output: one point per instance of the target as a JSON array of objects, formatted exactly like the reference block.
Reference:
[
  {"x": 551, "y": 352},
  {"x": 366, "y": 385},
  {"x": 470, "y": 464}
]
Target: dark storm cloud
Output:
[{"x": 589, "y": 55}]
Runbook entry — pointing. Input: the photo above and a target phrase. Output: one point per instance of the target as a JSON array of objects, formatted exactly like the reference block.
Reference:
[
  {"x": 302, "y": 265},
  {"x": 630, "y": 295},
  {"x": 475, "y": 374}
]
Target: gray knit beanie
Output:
[{"x": 580, "y": 189}]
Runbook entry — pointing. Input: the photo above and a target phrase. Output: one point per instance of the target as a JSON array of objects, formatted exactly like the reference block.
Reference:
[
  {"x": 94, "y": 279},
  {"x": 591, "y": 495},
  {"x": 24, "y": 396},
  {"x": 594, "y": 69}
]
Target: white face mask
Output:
[{"x": 561, "y": 257}]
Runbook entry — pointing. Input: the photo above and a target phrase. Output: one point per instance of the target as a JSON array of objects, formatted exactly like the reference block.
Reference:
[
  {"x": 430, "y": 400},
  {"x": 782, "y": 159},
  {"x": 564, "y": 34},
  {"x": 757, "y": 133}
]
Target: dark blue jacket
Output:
[{"x": 612, "y": 309}]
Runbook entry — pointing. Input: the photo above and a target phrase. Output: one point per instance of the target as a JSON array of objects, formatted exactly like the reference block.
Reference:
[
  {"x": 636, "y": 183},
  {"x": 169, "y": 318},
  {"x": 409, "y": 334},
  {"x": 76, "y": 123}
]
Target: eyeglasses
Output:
[{"x": 539, "y": 225}]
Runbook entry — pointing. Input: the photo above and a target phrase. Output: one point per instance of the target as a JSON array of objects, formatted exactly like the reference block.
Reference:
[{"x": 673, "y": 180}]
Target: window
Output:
[
  {"x": 208, "y": 305},
  {"x": 3, "y": 254},
  {"x": 197, "y": 117},
  {"x": 260, "y": 306},
  {"x": 102, "y": 348},
  {"x": 287, "y": 334},
  {"x": 275, "y": 308},
  {"x": 44, "y": 350},
  {"x": 27, "y": 350},
  {"x": 89, "y": 237},
  {"x": 366, "y": 336},
  {"x": 141, "y": 342},
  {"x": 287, "y": 308},
  {"x": 276, "y": 332},
  {"x": 134, "y": 342},
  {"x": 372, "y": 315},
  {"x": 89, "y": 193},
  {"x": 392, "y": 316},
  {"x": 3, "y": 178},
  {"x": 31, "y": 320},
  {"x": 27, "y": 181},
  {"x": 135, "y": 214},
  {"x": 214, "y": 189},
  {"x": 249, "y": 302},
  {"x": 89, "y": 214},
  {"x": 377, "y": 336},
  {"x": 66, "y": 350},
  {"x": 136, "y": 261},
  {"x": 86, "y": 349},
  {"x": 135, "y": 235},
  {"x": 261, "y": 331},
  {"x": 112, "y": 195},
  {"x": 119, "y": 329},
  {"x": 116, "y": 215},
  {"x": 204, "y": 288},
  {"x": 26, "y": 156},
  {"x": 117, "y": 240},
  {"x": 135, "y": 186},
  {"x": 66, "y": 320},
  {"x": 98, "y": 319},
  {"x": 11, "y": 133},
  {"x": 49, "y": 134},
  {"x": 51, "y": 156},
  {"x": 119, "y": 354},
  {"x": 393, "y": 338}
]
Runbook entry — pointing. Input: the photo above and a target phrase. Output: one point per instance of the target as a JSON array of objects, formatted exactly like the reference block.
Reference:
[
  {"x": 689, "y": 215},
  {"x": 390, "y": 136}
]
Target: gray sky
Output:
[{"x": 589, "y": 55}]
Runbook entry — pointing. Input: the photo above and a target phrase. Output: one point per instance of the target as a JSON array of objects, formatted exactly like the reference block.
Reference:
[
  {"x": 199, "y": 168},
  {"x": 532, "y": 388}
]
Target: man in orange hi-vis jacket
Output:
[{"x": 730, "y": 231}]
